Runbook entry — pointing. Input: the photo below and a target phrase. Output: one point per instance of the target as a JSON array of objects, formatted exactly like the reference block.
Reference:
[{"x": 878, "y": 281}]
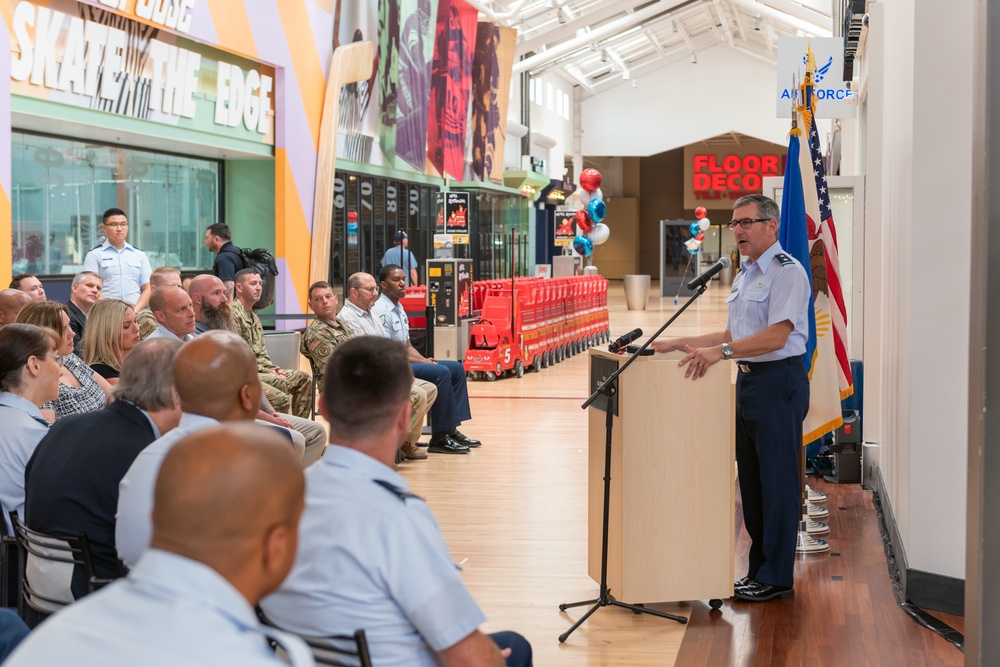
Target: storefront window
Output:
[{"x": 62, "y": 186}]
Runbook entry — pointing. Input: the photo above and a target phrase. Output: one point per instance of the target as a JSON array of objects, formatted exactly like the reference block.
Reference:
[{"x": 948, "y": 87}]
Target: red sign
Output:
[{"x": 733, "y": 176}]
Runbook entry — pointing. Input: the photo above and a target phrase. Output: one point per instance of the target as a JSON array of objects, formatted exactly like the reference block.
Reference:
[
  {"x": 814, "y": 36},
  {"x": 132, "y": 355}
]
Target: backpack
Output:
[{"x": 263, "y": 262}]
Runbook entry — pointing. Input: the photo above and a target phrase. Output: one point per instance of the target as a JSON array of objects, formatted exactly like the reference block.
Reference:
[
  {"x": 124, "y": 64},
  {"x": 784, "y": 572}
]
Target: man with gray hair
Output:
[
  {"x": 84, "y": 293},
  {"x": 71, "y": 481}
]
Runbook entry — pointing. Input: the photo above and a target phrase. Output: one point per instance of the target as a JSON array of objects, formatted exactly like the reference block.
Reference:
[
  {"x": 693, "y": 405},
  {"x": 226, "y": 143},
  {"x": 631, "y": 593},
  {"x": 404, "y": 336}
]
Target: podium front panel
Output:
[{"x": 672, "y": 504}]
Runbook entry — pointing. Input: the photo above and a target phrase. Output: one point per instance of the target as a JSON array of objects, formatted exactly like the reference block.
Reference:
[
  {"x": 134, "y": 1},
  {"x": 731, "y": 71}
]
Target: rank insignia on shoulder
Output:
[
  {"x": 784, "y": 259},
  {"x": 402, "y": 494}
]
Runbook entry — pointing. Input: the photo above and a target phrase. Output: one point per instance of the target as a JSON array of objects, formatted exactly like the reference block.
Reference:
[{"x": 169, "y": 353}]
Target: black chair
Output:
[
  {"x": 52, "y": 559},
  {"x": 329, "y": 650},
  {"x": 9, "y": 581}
]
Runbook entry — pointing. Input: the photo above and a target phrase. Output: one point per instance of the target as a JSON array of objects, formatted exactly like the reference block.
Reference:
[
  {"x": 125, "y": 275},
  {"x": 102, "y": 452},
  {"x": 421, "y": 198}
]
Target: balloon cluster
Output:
[
  {"x": 697, "y": 229},
  {"x": 590, "y": 218}
]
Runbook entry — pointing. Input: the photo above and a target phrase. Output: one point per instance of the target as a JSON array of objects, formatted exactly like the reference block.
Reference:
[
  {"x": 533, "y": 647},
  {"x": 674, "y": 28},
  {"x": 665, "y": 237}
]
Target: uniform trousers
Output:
[
  {"x": 452, "y": 405},
  {"x": 771, "y": 403}
]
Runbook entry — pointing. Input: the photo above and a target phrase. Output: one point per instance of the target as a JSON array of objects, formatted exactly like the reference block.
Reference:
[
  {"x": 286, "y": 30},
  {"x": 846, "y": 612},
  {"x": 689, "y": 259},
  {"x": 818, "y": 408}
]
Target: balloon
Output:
[
  {"x": 704, "y": 224},
  {"x": 700, "y": 237},
  {"x": 597, "y": 210},
  {"x": 584, "y": 197},
  {"x": 700, "y": 212},
  {"x": 599, "y": 234},
  {"x": 583, "y": 245},
  {"x": 692, "y": 245},
  {"x": 694, "y": 228},
  {"x": 583, "y": 221},
  {"x": 590, "y": 179},
  {"x": 597, "y": 194}
]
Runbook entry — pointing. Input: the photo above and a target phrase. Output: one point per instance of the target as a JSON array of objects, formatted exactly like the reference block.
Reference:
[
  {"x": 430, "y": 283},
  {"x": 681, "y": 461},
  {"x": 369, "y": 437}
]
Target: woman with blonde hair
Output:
[
  {"x": 110, "y": 335},
  {"x": 80, "y": 388}
]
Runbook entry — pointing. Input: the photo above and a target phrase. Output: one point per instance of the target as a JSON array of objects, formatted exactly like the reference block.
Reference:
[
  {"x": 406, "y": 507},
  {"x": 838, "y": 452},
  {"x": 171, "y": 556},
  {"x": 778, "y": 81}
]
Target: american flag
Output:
[{"x": 830, "y": 373}]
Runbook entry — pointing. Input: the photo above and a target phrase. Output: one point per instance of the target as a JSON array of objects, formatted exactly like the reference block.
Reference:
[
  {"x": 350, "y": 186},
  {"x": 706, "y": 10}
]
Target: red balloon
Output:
[
  {"x": 700, "y": 212},
  {"x": 700, "y": 237},
  {"x": 590, "y": 179},
  {"x": 583, "y": 221}
]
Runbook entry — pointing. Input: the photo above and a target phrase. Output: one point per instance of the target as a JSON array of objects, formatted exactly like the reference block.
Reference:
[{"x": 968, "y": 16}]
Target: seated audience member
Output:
[
  {"x": 111, "y": 335},
  {"x": 452, "y": 406},
  {"x": 163, "y": 276},
  {"x": 71, "y": 481},
  {"x": 29, "y": 378},
  {"x": 211, "y": 304},
  {"x": 81, "y": 389},
  {"x": 186, "y": 279},
  {"x": 362, "y": 531},
  {"x": 30, "y": 285},
  {"x": 174, "y": 314},
  {"x": 216, "y": 381},
  {"x": 326, "y": 332},
  {"x": 12, "y": 632},
  {"x": 11, "y": 303},
  {"x": 227, "y": 505},
  {"x": 288, "y": 390},
  {"x": 212, "y": 312},
  {"x": 84, "y": 293}
]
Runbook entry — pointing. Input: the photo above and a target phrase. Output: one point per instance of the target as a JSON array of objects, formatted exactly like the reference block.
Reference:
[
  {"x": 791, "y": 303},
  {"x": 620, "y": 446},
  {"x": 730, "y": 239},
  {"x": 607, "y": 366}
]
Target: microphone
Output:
[
  {"x": 709, "y": 273},
  {"x": 624, "y": 340}
]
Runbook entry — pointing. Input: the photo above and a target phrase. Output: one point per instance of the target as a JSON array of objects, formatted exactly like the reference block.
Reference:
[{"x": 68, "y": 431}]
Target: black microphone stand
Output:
[{"x": 609, "y": 389}]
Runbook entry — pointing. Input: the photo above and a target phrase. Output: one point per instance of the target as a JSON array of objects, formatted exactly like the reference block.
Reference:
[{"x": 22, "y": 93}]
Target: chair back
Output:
[
  {"x": 332, "y": 650},
  {"x": 46, "y": 564},
  {"x": 283, "y": 348}
]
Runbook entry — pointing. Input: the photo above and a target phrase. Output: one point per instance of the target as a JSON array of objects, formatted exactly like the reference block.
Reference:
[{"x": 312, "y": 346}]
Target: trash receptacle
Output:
[{"x": 636, "y": 291}]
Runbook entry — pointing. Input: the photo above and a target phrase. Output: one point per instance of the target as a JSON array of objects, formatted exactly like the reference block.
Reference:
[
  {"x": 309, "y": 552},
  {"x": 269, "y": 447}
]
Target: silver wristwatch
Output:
[{"x": 727, "y": 351}]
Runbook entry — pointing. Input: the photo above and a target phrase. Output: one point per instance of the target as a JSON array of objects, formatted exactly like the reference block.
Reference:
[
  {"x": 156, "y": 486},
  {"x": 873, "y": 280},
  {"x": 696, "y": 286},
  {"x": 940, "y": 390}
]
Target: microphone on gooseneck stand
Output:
[
  {"x": 624, "y": 340},
  {"x": 702, "y": 280}
]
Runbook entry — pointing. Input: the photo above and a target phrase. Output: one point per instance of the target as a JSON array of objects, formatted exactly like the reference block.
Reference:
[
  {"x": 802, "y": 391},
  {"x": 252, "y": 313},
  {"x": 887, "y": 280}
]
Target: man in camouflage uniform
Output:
[
  {"x": 326, "y": 332},
  {"x": 287, "y": 390},
  {"x": 163, "y": 276}
]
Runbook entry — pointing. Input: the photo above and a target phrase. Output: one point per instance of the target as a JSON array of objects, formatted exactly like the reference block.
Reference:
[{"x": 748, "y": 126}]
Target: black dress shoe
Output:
[
  {"x": 446, "y": 445},
  {"x": 463, "y": 439},
  {"x": 743, "y": 583},
  {"x": 758, "y": 592}
]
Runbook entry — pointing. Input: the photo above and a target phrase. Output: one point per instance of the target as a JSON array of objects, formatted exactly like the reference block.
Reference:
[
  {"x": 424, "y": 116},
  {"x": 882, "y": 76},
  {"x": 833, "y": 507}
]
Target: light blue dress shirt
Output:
[
  {"x": 163, "y": 332},
  {"x": 393, "y": 318},
  {"x": 358, "y": 543},
  {"x": 408, "y": 262},
  {"x": 169, "y": 611},
  {"x": 23, "y": 427},
  {"x": 133, "y": 525},
  {"x": 124, "y": 271},
  {"x": 773, "y": 289}
]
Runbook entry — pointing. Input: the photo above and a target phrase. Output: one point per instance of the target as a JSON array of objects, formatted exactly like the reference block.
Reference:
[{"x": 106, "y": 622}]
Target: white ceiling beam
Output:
[
  {"x": 570, "y": 28},
  {"x": 740, "y": 22},
  {"x": 606, "y": 31},
  {"x": 682, "y": 31},
  {"x": 724, "y": 20},
  {"x": 654, "y": 40},
  {"x": 823, "y": 28},
  {"x": 576, "y": 76},
  {"x": 797, "y": 10}
]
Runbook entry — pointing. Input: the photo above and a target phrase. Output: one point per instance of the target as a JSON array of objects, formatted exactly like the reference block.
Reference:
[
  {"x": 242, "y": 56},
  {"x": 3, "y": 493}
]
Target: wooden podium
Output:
[{"x": 671, "y": 527}]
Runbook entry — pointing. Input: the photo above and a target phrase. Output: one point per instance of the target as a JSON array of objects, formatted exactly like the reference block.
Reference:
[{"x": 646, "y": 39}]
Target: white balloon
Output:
[
  {"x": 597, "y": 194},
  {"x": 691, "y": 244},
  {"x": 599, "y": 234},
  {"x": 584, "y": 197},
  {"x": 704, "y": 224}
]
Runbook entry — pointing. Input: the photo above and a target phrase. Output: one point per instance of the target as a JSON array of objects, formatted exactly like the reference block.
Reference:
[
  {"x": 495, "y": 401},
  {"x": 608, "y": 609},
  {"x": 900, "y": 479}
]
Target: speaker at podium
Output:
[{"x": 672, "y": 506}]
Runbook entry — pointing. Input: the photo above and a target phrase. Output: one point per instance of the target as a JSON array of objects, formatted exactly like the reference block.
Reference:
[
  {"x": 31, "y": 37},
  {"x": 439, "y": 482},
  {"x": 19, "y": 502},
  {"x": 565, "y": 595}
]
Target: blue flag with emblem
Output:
[{"x": 793, "y": 234}]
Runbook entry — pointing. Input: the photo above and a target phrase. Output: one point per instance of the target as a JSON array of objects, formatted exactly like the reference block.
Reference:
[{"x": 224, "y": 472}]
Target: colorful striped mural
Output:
[{"x": 6, "y": 258}]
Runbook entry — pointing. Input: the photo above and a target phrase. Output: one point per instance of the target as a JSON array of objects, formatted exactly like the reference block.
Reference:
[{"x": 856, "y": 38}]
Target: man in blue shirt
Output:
[
  {"x": 766, "y": 334},
  {"x": 362, "y": 530},
  {"x": 225, "y": 529},
  {"x": 123, "y": 267},
  {"x": 400, "y": 256}
]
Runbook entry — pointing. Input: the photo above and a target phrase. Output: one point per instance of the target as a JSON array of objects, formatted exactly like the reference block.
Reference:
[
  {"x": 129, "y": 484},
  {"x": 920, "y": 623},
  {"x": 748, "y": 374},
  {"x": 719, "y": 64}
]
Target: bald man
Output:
[
  {"x": 163, "y": 276},
  {"x": 225, "y": 530},
  {"x": 216, "y": 380},
  {"x": 211, "y": 304},
  {"x": 11, "y": 303}
]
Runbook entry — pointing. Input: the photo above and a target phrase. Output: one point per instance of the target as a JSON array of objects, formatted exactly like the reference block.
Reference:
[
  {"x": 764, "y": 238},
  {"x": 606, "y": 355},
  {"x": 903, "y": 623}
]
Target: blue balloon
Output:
[
  {"x": 597, "y": 210},
  {"x": 583, "y": 245},
  {"x": 695, "y": 229}
]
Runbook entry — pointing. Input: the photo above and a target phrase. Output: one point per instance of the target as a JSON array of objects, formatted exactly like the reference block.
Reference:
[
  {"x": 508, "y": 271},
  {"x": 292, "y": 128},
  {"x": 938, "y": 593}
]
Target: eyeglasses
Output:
[
  {"x": 60, "y": 359},
  {"x": 373, "y": 290},
  {"x": 119, "y": 225},
  {"x": 746, "y": 222}
]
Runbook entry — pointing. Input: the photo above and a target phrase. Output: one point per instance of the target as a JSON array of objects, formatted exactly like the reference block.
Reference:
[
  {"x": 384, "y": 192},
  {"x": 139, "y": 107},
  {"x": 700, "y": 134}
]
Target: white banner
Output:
[{"x": 835, "y": 97}]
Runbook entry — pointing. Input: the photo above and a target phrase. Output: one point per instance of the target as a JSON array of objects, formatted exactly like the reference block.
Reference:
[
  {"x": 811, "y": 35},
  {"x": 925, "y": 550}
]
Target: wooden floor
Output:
[{"x": 514, "y": 514}]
